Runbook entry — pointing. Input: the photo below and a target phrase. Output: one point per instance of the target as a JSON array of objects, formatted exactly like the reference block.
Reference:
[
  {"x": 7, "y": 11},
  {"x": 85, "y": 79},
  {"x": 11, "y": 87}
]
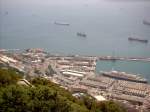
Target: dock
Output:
[{"x": 113, "y": 58}]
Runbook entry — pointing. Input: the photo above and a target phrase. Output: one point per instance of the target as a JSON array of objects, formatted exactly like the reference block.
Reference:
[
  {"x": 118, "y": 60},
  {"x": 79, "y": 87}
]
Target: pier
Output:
[
  {"x": 107, "y": 58},
  {"x": 112, "y": 58},
  {"x": 8, "y": 50}
]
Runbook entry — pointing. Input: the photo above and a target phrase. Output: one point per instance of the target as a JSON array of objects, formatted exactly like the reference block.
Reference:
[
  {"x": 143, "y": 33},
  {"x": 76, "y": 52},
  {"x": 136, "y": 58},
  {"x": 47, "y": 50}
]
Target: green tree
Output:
[
  {"x": 9, "y": 76},
  {"x": 40, "y": 81},
  {"x": 13, "y": 98},
  {"x": 45, "y": 96},
  {"x": 110, "y": 106}
]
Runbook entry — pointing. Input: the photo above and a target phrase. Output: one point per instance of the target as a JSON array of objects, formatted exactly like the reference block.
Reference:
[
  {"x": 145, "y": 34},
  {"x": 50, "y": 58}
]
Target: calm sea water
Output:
[
  {"x": 107, "y": 23},
  {"x": 141, "y": 68}
]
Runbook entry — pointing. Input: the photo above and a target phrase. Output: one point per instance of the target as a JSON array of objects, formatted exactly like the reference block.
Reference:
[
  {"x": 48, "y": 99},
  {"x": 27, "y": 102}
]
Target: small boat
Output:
[
  {"x": 61, "y": 23},
  {"x": 137, "y": 39},
  {"x": 81, "y": 34},
  {"x": 146, "y": 22}
]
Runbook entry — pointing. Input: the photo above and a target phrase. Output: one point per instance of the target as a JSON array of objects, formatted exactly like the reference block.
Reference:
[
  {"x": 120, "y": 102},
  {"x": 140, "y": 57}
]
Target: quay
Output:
[
  {"x": 113, "y": 58},
  {"x": 107, "y": 58},
  {"x": 9, "y": 50}
]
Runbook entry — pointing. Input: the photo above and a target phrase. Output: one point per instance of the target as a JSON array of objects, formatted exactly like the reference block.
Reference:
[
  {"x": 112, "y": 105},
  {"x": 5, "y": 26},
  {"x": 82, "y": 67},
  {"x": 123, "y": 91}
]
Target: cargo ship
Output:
[
  {"x": 81, "y": 34},
  {"x": 146, "y": 22},
  {"x": 61, "y": 23},
  {"x": 124, "y": 76},
  {"x": 137, "y": 39}
]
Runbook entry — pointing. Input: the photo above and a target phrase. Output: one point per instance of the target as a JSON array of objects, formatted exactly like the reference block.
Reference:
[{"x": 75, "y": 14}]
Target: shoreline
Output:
[{"x": 97, "y": 57}]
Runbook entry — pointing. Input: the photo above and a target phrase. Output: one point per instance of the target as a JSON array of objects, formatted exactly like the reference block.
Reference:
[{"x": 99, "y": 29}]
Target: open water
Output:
[{"x": 107, "y": 24}]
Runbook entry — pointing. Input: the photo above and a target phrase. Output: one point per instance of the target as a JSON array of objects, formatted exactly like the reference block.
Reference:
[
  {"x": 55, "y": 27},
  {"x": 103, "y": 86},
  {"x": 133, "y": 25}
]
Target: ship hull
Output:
[
  {"x": 123, "y": 78},
  {"x": 137, "y": 39},
  {"x": 59, "y": 23},
  {"x": 146, "y": 23}
]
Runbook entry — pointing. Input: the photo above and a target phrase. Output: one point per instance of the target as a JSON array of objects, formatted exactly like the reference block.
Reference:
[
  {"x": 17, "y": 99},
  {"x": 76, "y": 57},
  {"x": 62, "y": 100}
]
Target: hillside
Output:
[{"x": 44, "y": 96}]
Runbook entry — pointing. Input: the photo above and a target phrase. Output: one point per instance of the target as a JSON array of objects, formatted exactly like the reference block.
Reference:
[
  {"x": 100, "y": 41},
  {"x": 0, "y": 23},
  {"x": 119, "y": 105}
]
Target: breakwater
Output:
[{"x": 113, "y": 58}]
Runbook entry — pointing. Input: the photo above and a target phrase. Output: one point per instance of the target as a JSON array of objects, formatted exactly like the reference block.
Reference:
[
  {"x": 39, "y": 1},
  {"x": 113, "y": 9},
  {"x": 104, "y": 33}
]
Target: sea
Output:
[{"x": 107, "y": 24}]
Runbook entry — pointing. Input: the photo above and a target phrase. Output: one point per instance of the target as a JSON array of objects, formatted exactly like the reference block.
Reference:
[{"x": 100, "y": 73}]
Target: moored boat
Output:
[{"x": 124, "y": 76}]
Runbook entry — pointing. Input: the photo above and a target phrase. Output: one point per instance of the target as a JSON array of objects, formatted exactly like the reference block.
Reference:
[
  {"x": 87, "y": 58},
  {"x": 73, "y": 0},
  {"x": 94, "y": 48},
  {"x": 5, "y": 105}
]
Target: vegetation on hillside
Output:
[
  {"x": 9, "y": 76},
  {"x": 44, "y": 96}
]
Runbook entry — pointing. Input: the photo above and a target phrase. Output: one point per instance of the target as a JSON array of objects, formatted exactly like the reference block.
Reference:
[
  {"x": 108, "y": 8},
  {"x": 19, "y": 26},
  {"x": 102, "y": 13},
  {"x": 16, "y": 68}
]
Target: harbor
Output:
[
  {"x": 78, "y": 74},
  {"x": 95, "y": 47}
]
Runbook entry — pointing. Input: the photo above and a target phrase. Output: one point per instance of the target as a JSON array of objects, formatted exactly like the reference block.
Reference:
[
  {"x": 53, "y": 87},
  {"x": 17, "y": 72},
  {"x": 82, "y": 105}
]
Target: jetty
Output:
[{"x": 112, "y": 58}]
